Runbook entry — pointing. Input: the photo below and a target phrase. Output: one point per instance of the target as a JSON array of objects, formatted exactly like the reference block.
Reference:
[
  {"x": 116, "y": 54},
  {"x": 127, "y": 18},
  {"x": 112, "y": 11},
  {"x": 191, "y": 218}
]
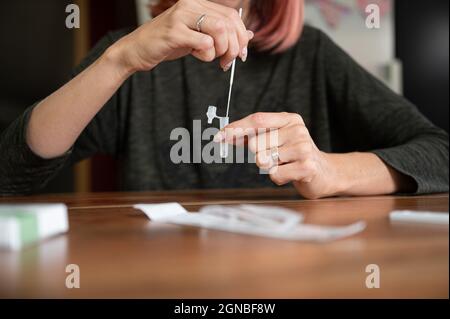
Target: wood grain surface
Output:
[{"x": 121, "y": 254}]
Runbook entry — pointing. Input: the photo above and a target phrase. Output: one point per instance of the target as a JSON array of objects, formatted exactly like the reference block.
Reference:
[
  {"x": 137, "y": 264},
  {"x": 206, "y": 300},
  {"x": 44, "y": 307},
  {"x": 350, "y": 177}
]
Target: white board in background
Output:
[
  {"x": 374, "y": 49},
  {"x": 143, "y": 13}
]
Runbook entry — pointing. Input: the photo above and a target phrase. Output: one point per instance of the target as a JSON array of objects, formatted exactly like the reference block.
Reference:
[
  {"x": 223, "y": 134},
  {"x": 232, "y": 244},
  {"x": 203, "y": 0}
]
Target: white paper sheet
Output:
[
  {"x": 419, "y": 217},
  {"x": 265, "y": 221}
]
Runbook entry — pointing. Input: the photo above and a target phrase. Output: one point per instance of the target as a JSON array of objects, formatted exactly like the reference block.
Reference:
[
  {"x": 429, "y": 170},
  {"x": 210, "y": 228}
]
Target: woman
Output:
[{"x": 340, "y": 131}]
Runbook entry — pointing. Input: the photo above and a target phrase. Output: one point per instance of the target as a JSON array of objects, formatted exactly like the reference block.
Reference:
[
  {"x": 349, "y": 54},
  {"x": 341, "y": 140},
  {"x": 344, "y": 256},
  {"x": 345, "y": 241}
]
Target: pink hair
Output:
[{"x": 277, "y": 24}]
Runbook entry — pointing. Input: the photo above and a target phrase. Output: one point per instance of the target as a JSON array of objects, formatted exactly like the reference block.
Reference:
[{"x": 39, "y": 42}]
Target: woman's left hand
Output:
[{"x": 284, "y": 147}]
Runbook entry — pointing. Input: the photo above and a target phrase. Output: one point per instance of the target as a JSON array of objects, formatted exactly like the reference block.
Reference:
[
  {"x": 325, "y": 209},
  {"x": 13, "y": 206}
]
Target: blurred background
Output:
[{"x": 410, "y": 53}]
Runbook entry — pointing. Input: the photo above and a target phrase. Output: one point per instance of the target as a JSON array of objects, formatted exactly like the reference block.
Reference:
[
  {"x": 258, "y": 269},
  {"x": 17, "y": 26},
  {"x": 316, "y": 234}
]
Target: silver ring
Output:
[
  {"x": 275, "y": 154},
  {"x": 200, "y": 21}
]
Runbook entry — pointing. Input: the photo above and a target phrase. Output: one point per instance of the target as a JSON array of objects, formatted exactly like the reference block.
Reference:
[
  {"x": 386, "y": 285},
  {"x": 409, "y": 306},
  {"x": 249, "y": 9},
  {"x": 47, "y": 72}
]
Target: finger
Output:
[
  {"x": 257, "y": 123},
  {"x": 233, "y": 51},
  {"x": 235, "y": 135},
  {"x": 286, "y": 154},
  {"x": 295, "y": 153},
  {"x": 244, "y": 37},
  {"x": 205, "y": 55},
  {"x": 264, "y": 141},
  {"x": 265, "y": 161},
  {"x": 298, "y": 172},
  {"x": 293, "y": 134},
  {"x": 235, "y": 22},
  {"x": 241, "y": 32},
  {"x": 212, "y": 25},
  {"x": 225, "y": 26},
  {"x": 217, "y": 29},
  {"x": 186, "y": 38},
  {"x": 202, "y": 45},
  {"x": 267, "y": 120}
]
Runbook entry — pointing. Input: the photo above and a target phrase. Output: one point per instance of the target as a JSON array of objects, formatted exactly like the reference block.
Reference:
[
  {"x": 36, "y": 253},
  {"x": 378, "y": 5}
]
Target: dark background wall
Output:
[
  {"x": 107, "y": 15},
  {"x": 36, "y": 58},
  {"x": 422, "y": 33}
]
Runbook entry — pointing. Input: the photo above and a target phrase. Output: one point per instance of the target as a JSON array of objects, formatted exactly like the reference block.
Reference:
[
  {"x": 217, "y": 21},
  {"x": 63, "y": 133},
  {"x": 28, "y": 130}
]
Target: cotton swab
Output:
[{"x": 233, "y": 68}]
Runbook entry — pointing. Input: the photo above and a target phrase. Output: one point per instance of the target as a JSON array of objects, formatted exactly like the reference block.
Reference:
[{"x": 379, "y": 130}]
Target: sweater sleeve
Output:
[
  {"x": 21, "y": 171},
  {"x": 372, "y": 118},
  {"x": 24, "y": 172}
]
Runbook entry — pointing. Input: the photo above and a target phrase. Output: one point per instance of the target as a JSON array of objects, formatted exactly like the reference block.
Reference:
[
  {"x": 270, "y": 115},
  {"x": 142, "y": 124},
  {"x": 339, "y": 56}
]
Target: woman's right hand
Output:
[
  {"x": 57, "y": 122},
  {"x": 173, "y": 34}
]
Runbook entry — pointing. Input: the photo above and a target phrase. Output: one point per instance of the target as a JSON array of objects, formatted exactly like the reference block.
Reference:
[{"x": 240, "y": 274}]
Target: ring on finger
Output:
[
  {"x": 275, "y": 155},
  {"x": 200, "y": 21}
]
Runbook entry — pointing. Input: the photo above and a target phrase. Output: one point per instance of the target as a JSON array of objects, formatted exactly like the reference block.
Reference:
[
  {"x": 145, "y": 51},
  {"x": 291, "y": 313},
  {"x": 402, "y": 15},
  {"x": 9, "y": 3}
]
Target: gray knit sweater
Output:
[{"x": 344, "y": 107}]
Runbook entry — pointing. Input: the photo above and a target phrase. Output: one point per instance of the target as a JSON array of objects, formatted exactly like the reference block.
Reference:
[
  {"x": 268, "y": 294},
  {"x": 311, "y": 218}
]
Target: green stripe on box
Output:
[{"x": 28, "y": 224}]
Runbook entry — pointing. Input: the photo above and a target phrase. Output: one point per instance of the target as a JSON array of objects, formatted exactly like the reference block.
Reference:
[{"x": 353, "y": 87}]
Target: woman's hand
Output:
[
  {"x": 173, "y": 34},
  {"x": 284, "y": 147}
]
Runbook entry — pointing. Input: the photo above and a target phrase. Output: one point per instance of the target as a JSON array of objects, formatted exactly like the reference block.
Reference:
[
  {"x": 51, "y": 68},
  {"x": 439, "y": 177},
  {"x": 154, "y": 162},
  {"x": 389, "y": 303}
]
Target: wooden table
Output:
[{"x": 122, "y": 254}]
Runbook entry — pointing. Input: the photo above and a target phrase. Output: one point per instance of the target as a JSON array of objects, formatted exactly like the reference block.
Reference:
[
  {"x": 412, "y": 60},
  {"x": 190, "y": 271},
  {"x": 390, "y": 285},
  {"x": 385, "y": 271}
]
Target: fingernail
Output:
[
  {"x": 228, "y": 66},
  {"x": 244, "y": 54},
  {"x": 219, "y": 137}
]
